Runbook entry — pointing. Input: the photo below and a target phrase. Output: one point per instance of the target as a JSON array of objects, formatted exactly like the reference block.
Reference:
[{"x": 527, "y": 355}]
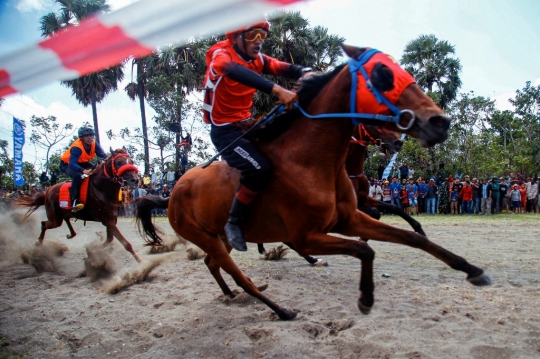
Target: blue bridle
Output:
[{"x": 356, "y": 65}]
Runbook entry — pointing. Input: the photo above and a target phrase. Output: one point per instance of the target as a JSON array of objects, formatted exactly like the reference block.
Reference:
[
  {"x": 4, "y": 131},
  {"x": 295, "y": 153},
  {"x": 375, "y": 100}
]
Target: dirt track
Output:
[{"x": 423, "y": 310}]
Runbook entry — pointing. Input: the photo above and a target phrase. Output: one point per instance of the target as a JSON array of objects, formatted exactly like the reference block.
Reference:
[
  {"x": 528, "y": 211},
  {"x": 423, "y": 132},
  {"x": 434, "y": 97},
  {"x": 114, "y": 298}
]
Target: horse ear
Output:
[
  {"x": 112, "y": 151},
  {"x": 352, "y": 51},
  {"x": 382, "y": 77},
  {"x": 124, "y": 148}
]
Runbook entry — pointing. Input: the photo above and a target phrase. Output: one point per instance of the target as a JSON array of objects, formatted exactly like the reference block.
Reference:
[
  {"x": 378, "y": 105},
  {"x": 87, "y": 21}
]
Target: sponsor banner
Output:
[{"x": 18, "y": 144}]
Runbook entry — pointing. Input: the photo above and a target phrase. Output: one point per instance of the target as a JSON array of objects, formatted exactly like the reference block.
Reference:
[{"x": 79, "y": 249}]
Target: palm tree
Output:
[
  {"x": 139, "y": 90},
  {"x": 431, "y": 63},
  {"x": 92, "y": 88}
]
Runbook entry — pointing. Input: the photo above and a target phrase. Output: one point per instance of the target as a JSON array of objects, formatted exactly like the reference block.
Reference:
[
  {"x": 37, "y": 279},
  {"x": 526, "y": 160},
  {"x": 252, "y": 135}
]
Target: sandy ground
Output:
[{"x": 423, "y": 309}]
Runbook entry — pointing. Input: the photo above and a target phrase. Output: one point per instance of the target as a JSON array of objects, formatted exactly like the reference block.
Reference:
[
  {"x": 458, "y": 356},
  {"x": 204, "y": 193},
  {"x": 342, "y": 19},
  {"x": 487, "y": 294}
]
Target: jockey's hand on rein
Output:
[{"x": 285, "y": 96}]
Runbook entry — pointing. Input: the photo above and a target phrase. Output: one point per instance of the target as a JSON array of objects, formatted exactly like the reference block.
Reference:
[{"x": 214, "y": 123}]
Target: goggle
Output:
[{"x": 252, "y": 34}]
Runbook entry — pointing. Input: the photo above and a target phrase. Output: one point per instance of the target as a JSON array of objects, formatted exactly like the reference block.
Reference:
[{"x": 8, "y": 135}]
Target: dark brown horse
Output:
[
  {"x": 364, "y": 135},
  {"x": 310, "y": 194},
  {"x": 102, "y": 203}
]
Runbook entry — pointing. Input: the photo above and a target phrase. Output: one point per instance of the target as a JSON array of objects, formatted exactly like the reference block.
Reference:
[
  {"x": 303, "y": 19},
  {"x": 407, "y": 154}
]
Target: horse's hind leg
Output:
[
  {"x": 317, "y": 262},
  {"x": 72, "y": 232},
  {"x": 396, "y": 210},
  {"x": 215, "y": 271},
  {"x": 221, "y": 258}
]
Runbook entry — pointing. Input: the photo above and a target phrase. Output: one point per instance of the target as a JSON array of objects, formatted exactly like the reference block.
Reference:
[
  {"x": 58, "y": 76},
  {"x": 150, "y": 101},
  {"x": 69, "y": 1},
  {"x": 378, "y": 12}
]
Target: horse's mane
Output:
[{"x": 309, "y": 89}]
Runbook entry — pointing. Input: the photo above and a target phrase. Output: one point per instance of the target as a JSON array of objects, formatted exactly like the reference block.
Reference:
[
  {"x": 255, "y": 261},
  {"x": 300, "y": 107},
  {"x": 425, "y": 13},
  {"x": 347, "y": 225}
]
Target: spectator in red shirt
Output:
[{"x": 466, "y": 195}]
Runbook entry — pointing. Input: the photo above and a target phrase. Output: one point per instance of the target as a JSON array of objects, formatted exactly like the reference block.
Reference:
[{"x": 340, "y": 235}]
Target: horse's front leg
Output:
[
  {"x": 360, "y": 224},
  {"x": 112, "y": 230},
  {"x": 323, "y": 244}
]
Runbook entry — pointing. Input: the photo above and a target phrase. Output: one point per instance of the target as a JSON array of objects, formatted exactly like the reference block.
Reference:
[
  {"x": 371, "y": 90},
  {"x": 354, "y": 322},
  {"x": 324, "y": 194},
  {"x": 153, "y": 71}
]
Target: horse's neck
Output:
[
  {"x": 316, "y": 143},
  {"x": 356, "y": 156},
  {"x": 108, "y": 188}
]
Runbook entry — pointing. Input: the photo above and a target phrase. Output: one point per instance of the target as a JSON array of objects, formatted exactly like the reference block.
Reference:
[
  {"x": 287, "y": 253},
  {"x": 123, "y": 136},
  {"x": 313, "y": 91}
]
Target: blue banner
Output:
[
  {"x": 18, "y": 143},
  {"x": 388, "y": 169}
]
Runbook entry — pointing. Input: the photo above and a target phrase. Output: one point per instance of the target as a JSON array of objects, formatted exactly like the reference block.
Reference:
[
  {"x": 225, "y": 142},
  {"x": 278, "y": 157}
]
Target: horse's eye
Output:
[{"x": 382, "y": 77}]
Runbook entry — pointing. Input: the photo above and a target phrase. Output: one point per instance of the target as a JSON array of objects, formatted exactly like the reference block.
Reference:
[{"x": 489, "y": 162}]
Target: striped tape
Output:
[{"x": 135, "y": 30}]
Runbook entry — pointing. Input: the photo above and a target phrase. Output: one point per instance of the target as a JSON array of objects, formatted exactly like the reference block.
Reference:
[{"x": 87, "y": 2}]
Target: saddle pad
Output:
[{"x": 64, "y": 198}]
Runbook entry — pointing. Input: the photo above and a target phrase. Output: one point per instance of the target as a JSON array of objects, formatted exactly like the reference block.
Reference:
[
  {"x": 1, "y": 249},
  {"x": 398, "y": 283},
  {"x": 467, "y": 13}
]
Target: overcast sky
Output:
[{"x": 497, "y": 42}]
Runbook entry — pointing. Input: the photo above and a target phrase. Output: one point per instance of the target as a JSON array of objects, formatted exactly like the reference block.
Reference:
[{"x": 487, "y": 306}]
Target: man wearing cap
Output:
[{"x": 495, "y": 195}]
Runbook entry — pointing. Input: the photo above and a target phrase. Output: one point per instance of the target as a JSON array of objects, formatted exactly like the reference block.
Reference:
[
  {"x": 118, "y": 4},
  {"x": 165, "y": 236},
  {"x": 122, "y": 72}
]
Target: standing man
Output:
[
  {"x": 404, "y": 171},
  {"x": 504, "y": 188},
  {"x": 422, "y": 191},
  {"x": 395, "y": 187},
  {"x": 75, "y": 162},
  {"x": 495, "y": 195},
  {"x": 486, "y": 198},
  {"x": 477, "y": 195},
  {"x": 233, "y": 75}
]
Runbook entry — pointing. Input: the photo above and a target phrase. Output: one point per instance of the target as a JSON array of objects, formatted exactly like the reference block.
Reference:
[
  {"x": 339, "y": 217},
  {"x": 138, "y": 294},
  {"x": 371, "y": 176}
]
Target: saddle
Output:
[{"x": 65, "y": 200}]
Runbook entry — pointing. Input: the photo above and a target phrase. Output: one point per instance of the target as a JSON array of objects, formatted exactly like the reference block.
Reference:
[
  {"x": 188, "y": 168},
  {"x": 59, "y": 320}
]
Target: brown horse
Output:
[
  {"x": 102, "y": 203},
  {"x": 310, "y": 194}
]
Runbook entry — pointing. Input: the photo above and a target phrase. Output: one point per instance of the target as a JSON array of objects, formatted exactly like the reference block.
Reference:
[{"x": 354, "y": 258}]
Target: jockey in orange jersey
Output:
[
  {"x": 76, "y": 161},
  {"x": 233, "y": 75}
]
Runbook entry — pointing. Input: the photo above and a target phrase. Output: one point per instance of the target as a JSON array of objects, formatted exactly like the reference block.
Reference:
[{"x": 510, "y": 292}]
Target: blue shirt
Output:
[{"x": 396, "y": 189}]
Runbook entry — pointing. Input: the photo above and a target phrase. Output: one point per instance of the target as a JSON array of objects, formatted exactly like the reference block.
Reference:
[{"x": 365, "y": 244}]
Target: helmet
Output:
[
  {"x": 495, "y": 177},
  {"x": 84, "y": 131},
  {"x": 263, "y": 25}
]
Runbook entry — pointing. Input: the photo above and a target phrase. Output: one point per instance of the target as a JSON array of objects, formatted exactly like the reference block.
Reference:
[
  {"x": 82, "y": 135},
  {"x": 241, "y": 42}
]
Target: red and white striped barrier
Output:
[{"x": 135, "y": 30}]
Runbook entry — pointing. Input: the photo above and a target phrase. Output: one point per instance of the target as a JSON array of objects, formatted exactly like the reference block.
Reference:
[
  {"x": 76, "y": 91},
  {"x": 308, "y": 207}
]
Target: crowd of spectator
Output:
[{"x": 457, "y": 194}]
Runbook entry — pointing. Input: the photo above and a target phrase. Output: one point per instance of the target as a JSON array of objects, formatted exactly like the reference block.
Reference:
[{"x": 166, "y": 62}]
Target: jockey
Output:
[
  {"x": 76, "y": 161},
  {"x": 233, "y": 75}
]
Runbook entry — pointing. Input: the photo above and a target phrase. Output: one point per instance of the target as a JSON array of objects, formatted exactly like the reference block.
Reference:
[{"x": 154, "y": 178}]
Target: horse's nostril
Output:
[{"x": 440, "y": 121}]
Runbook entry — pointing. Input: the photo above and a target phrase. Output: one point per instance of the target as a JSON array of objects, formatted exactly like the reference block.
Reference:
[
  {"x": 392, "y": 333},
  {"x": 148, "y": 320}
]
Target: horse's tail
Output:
[
  {"x": 149, "y": 231},
  {"x": 34, "y": 202}
]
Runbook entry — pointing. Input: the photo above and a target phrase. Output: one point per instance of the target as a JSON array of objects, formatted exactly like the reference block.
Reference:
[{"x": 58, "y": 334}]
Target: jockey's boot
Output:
[
  {"x": 77, "y": 206},
  {"x": 75, "y": 188},
  {"x": 237, "y": 216}
]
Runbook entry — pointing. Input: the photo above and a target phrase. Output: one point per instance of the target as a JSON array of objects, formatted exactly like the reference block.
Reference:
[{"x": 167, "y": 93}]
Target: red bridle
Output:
[
  {"x": 364, "y": 138},
  {"x": 117, "y": 173}
]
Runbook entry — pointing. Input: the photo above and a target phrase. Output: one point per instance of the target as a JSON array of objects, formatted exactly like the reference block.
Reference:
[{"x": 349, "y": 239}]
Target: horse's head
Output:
[
  {"x": 383, "y": 87},
  {"x": 120, "y": 167},
  {"x": 388, "y": 141}
]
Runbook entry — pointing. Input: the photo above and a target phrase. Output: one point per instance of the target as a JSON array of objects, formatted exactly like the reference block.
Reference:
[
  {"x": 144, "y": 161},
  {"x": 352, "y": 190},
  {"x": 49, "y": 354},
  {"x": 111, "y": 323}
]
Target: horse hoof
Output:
[
  {"x": 481, "y": 280},
  {"x": 69, "y": 236},
  {"x": 364, "y": 309},
  {"x": 320, "y": 263},
  {"x": 287, "y": 315}
]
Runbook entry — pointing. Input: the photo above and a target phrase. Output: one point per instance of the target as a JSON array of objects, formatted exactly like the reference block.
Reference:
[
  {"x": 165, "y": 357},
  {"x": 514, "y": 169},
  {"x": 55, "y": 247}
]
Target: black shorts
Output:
[{"x": 243, "y": 155}]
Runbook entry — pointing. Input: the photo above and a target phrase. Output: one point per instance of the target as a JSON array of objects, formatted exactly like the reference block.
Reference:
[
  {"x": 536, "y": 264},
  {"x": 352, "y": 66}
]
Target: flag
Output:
[
  {"x": 388, "y": 169},
  {"x": 18, "y": 143},
  {"x": 136, "y": 30}
]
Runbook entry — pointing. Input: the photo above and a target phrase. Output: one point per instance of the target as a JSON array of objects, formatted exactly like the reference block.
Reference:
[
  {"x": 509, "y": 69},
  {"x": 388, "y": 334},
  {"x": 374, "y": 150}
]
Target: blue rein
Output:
[{"x": 355, "y": 66}]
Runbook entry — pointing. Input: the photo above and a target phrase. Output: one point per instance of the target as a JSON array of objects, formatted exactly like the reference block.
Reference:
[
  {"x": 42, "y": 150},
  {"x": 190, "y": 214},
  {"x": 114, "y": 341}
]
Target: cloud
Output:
[
  {"x": 536, "y": 82},
  {"x": 29, "y": 5},
  {"x": 502, "y": 103}
]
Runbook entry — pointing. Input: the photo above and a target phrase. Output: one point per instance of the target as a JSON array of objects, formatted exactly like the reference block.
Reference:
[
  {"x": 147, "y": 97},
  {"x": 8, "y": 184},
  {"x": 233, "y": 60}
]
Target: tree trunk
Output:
[
  {"x": 94, "y": 114},
  {"x": 140, "y": 93}
]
